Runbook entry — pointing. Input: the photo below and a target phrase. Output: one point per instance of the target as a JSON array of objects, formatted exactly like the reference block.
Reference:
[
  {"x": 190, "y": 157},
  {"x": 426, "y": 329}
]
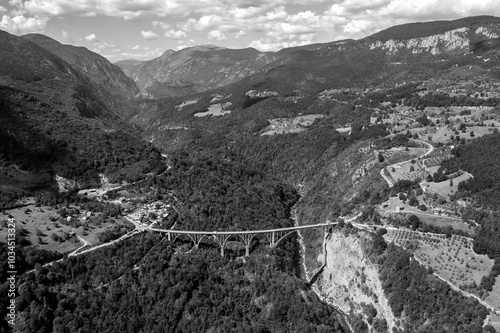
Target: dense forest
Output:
[
  {"x": 482, "y": 159},
  {"x": 213, "y": 194},
  {"x": 173, "y": 292}
]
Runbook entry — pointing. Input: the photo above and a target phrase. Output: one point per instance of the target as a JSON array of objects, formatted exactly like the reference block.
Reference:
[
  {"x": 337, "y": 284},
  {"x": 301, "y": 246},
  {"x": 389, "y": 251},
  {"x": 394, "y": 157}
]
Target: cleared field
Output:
[
  {"x": 186, "y": 103},
  {"x": 433, "y": 169},
  {"x": 395, "y": 155},
  {"x": 215, "y": 110},
  {"x": 451, "y": 258},
  {"x": 442, "y": 134},
  {"x": 443, "y": 221},
  {"x": 291, "y": 125},
  {"x": 40, "y": 223},
  {"x": 427, "y": 217},
  {"x": 444, "y": 188},
  {"x": 408, "y": 171}
]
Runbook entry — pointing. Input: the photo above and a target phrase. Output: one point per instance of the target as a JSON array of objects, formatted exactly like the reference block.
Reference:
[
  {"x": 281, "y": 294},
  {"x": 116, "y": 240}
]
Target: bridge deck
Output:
[{"x": 243, "y": 232}]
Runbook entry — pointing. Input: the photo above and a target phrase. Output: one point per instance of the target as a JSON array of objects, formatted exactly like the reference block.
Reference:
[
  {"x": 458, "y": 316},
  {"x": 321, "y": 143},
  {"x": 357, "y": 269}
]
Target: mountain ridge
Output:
[
  {"x": 200, "y": 68},
  {"x": 92, "y": 64}
]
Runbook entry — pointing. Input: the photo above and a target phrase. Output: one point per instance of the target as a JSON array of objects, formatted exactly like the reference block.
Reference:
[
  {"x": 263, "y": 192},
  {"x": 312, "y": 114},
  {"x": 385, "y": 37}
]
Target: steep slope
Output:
[
  {"x": 384, "y": 289},
  {"x": 426, "y": 29},
  {"x": 196, "y": 69},
  {"x": 53, "y": 121},
  {"x": 31, "y": 68},
  {"x": 350, "y": 280},
  {"x": 450, "y": 37},
  {"x": 115, "y": 88},
  {"x": 95, "y": 66}
]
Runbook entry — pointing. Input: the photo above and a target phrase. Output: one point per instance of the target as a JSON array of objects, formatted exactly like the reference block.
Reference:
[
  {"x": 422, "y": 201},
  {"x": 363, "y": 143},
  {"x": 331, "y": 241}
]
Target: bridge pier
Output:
[
  {"x": 247, "y": 240},
  {"x": 221, "y": 240}
]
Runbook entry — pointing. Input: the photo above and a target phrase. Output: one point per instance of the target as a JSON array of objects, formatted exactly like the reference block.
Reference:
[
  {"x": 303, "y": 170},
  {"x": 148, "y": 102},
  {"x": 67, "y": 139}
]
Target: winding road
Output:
[
  {"x": 389, "y": 182},
  {"x": 452, "y": 286}
]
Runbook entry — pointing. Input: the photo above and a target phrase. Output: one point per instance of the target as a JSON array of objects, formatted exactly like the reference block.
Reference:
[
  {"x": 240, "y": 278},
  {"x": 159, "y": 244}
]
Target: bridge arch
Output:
[
  {"x": 247, "y": 241},
  {"x": 273, "y": 236}
]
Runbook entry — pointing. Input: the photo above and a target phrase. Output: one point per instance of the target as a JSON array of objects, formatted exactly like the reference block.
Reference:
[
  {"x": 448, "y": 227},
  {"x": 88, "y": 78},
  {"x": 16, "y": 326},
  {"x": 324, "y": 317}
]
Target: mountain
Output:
[
  {"x": 437, "y": 37},
  {"x": 392, "y": 54},
  {"x": 116, "y": 89},
  {"x": 57, "y": 121},
  {"x": 195, "y": 69},
  {"x": 127, "y": 65},
  {"x": 93, "y": 65}
]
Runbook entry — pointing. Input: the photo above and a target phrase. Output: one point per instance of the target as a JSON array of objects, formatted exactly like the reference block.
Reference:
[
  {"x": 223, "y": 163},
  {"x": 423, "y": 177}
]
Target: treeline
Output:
[
  {"x": 442, "y": 99},
  {"x": 196, "y": 292}
]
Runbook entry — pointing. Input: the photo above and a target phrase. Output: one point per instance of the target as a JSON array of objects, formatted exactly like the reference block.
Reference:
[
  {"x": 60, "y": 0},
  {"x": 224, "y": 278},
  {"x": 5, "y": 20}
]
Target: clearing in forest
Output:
[{"x": 451, "y": 258}]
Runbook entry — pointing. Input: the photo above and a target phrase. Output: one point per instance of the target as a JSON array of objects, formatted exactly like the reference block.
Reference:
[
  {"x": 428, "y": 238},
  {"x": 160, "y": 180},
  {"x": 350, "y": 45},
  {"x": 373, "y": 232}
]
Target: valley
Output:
[{"x": 337, "y": 187}]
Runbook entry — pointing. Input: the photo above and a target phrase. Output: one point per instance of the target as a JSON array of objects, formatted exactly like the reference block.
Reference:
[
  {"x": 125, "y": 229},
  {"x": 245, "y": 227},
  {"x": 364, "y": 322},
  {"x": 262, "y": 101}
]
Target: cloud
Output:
[
  {"x": 136, "y": 47},
  {"x": 64, "y": 34},
  {"x": 175, "y": 34},
  {"x": 162, "y": 25},
  {"x": 149, "y": 35},
  {"x": 116, "y": 8},
  {"x": 99, "y": 47},
  {"x": 216, "y": 35},
  {"x": 150, "y": 54},
  {"x": 184, "y": 44},
  {"x": 20, "y": 24},
  {"x": 272, "y": 24},
  {"x": 268, "y": 45},
  {"x": 91, "y": 38}
]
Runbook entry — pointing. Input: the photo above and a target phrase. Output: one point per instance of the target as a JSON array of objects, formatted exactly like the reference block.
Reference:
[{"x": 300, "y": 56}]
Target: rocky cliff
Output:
[
  {"x": 350, "y": 281},
  {"x": 461, "y": 39}
]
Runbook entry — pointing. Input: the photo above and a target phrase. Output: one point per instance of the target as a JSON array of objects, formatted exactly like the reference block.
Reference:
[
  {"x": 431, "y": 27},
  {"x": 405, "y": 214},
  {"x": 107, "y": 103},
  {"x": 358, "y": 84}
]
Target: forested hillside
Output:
[
  {"x": 427, "y": 303},
  {"x": 62, "y": 120},
  {"x": 174, "y": 292},
  {"x": 217, "y": 195},
  {"x": 40, "y": 141}
]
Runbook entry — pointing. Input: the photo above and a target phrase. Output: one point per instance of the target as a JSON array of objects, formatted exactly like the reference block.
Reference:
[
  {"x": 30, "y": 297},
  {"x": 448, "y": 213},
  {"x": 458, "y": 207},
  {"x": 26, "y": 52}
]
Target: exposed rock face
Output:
[
  {"x": 459, "y": 39},
  {"x": 350, "y": 279},
  {"x": 448, "y": 41}
]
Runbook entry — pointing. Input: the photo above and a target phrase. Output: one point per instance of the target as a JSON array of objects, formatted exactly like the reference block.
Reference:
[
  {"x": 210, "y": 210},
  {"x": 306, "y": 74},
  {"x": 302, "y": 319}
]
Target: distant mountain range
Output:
[
  {"x": 203, "y": 68},
  {"x": 195, "y": 69}
]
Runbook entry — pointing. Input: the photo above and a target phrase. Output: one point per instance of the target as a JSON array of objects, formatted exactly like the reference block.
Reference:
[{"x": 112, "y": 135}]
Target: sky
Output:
[{"x": 144, "y": 29}]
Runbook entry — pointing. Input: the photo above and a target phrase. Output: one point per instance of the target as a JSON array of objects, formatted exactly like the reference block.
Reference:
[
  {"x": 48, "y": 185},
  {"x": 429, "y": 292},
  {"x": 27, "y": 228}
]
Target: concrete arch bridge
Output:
[{"x": 221, "y": 238}]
